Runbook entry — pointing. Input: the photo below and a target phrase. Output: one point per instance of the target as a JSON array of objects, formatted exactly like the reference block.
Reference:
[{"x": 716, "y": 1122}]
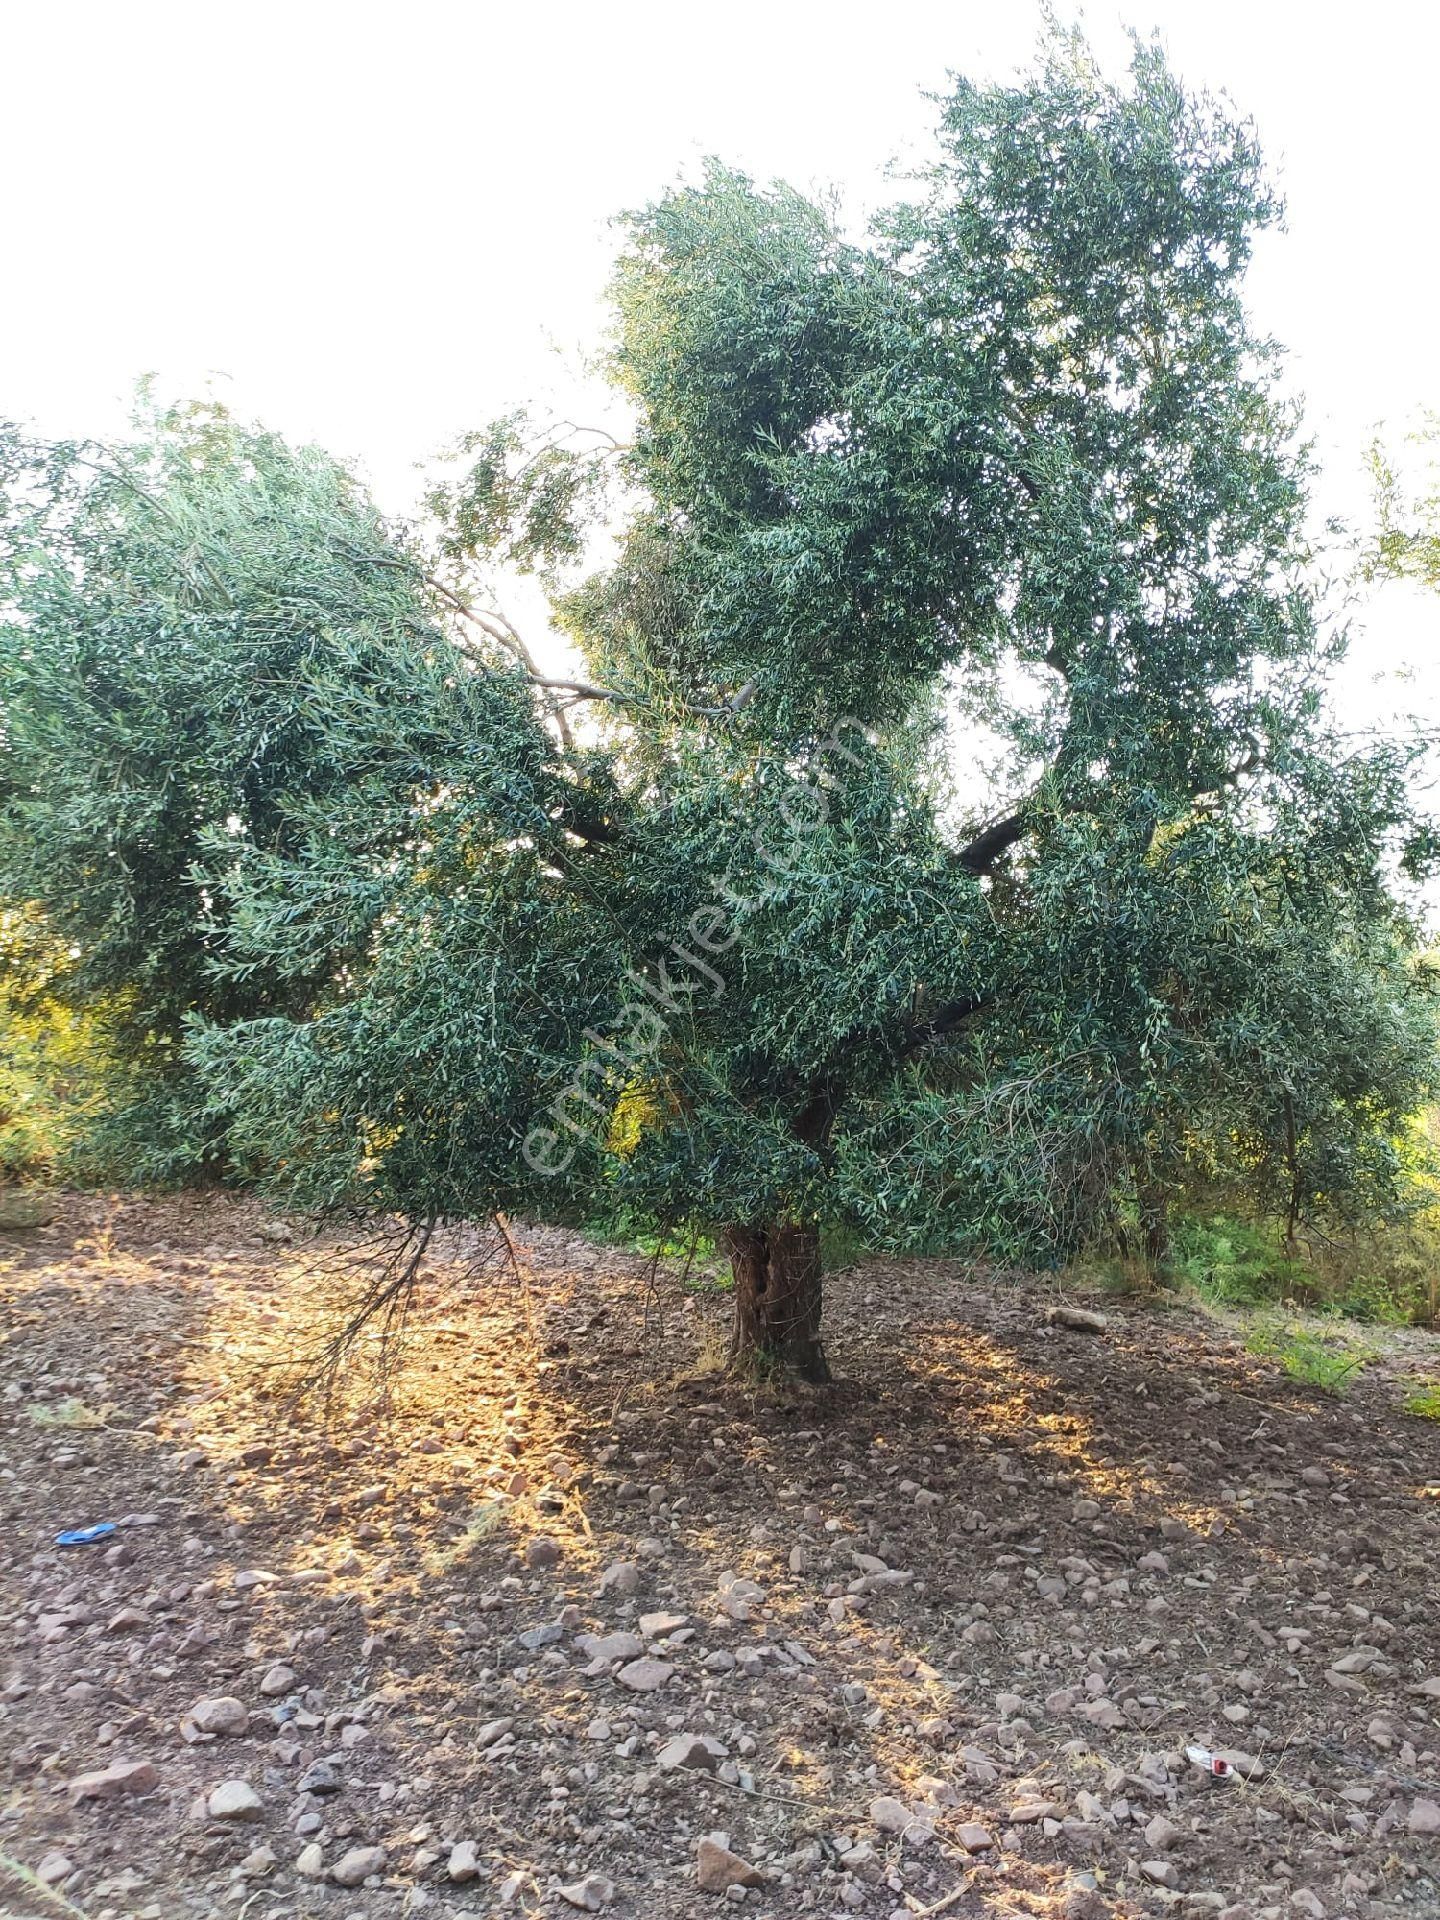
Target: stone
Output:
[
  {"x": 1424, "y": 1817},
  {"x": 589, "y": 1894},
  {"x": 612, "y": 1646},
  {"x": 692, "y": 1750},
  {"x": 310, "y": 1862},
  {"x": 322, "y": 1777},
  {"x": 1076, "y": 1319},
  {"x": 463, "y": 1863},
  {"x": 893, "y": 1816},
  {"x": 645, "y": 1676},
  {"x": 234, "y": 1800},
  {"x": 655, "y": 1626},
  {"x": 542, "y": 1551},
  {"x": 355, "y": 1867},
  {"x": 119, "y": 1779},
  {"x": 53, "y": 1868},
  {"x": 622, "y": 1577},
  {"x": 260, "y": 1859},
  {"x": 1085, "y": 1903},
  {"x": 1103, "y": 1713},
  {"x": 128, "y": 1620},
  {"x": 973, "y": 1837},
  {"x": 1304, "y": 1901},
  {"x": 1160, "y": 1873},
  {"x": 494, "y": 1731},
  {"x": 717, "y": 1868},
  {"x": 1161, "y": 1835},
  {"x": 222, "y": 1715},
  {"x": 1031, "y": 1810},
  {"x": 534, "y": 1638},
  {"x": 279, "y": 1679}
]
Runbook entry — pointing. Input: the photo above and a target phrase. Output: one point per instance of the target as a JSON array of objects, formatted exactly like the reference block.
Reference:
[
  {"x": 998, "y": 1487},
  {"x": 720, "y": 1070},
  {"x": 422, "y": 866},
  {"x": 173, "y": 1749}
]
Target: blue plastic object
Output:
[{"x": 83, "y": 1536}]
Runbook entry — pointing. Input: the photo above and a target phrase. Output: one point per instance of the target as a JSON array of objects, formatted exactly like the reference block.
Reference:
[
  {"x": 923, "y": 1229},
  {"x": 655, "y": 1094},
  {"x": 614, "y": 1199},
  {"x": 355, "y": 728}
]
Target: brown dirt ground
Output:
[{"x": 1016, "y": 1473}]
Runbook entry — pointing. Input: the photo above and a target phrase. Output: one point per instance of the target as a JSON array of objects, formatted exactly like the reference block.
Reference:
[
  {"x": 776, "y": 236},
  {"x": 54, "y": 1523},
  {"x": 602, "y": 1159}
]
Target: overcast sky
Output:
[{"x": 381, "y": 225}]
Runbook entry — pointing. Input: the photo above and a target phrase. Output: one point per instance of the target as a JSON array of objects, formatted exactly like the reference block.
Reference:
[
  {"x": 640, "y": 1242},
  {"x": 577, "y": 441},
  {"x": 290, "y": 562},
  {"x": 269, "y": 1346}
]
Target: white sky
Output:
[{"x": 381, "y": 224}]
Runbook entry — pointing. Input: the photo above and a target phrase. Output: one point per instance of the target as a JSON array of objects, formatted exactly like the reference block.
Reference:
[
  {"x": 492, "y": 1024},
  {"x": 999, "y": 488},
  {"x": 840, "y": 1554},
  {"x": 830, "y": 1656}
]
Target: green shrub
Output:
[
  {"x": 1322, "y": 1360},
  {"x": 1231, "y": 1262},
  {"x": 1424, "y": 1400}
]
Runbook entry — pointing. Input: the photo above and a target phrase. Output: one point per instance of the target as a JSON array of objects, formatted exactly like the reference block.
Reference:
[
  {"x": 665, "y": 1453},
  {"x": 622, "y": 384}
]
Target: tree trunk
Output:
[
  {"x": 1154, "y": 1224},
  {"x": 1152, "y": 1204},
  {"x": 777, "y": 1301}
]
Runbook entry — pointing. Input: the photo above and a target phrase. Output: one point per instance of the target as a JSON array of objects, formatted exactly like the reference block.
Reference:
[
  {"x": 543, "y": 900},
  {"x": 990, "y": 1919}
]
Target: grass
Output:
[
  {"x": 1326, "y": 1361},
  {"x": 69, "y": 1412},
  {"x": 1424, "y": 1400},
  {"x": 21, "y": 1875}
]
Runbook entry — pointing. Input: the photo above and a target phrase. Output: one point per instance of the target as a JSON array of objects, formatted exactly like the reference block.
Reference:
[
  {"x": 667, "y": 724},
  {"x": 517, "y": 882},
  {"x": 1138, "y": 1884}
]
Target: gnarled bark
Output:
[{"x": 778, "y": 1299}]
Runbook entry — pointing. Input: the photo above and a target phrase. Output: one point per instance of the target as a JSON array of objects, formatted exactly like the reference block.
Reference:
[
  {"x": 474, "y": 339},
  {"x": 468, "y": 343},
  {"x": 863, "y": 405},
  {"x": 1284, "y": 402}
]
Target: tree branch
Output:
[{"x": 988, "y": 845}]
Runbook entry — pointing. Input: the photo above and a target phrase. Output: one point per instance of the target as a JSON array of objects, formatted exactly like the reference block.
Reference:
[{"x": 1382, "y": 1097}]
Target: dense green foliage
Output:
[{"x": 757, "y": 949}]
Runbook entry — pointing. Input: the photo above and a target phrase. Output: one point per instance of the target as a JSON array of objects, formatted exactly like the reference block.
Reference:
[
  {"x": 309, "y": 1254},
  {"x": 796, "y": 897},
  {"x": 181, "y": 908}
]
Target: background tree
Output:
[{"x": 738, "y": 950}]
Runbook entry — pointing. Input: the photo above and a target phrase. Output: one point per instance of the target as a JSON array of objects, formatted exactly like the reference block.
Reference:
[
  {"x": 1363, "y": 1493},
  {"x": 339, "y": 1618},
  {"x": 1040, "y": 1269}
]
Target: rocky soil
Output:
[{"x": 555, "y": 1624}]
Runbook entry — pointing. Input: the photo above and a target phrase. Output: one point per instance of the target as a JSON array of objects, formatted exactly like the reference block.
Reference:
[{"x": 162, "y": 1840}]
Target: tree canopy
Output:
[{"x": 944, "y": 835}]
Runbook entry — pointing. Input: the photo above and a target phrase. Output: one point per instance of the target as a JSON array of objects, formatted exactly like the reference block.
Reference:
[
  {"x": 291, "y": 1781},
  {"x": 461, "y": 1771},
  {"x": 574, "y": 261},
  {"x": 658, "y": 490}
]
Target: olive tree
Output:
[{"x": 726, "y": 931}]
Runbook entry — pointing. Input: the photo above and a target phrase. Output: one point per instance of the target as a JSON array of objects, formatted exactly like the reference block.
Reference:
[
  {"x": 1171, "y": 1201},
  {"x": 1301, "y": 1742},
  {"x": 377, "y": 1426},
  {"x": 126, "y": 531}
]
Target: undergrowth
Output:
[{"x": 1317, "y": 1359}]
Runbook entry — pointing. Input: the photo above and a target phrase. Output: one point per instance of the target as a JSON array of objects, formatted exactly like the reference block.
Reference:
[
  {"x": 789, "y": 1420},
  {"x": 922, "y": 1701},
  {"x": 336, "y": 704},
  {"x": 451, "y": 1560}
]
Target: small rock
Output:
[
  {"x": 1160, "y": 1872},
  {"x": 655, "y": 1626},
  {"x": 717, "y": 1868},
  {"x": 645, "y": 1676},
  {"x": 310, "y": 1862},
  {"x": 121, "y": 1777},
  {"x": 621, "y": 1576},
  {"x": 1304, "y": 1901},
  {"x": 1077, "y": 1319},
  {"x": 1424, "y": 1817},
  {"x": 321, "y": 1777},
  {"x": 53, "y": 1868},
  {"x": 536, "y": 1637},
  {"x": 260, "y": 1859},
  {"x": 692, "y": 1750},
  {"x": 357, "y": 1866},
  {"x": 234, "y": 1800},
  {"x": 494, "y": 1731},
  {"x": 612, "y": 1646},
  {"x": 893, "y": 1816},
  {"x": 279, "y": 1679},
  {"x": 1030, "y": 1811},
  {"x": 223, "y": 1715},
  {"x": 463, "y": 1864},
  {"x": 1161, "y": 1835},
  {"x": 542, "y": 1551},
  {"x": 973, "y": 1837},
  {"x": 589, "y": 1894}
]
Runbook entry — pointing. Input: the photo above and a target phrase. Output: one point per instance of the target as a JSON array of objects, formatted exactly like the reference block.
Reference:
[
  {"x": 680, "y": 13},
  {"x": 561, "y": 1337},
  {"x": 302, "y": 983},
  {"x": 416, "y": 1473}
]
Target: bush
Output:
[
  {"x": 1321, "y": 1360},
  {"x": 1234, "y": 1263}
]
